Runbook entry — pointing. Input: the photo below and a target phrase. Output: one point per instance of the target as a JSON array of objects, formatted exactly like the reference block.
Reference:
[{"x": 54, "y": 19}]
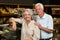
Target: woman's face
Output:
[{"x": 27, "y": 16}]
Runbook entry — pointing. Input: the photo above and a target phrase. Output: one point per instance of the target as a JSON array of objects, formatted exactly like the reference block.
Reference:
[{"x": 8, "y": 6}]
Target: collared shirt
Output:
[
  {"x": 47, "y": 22},
  {"x": 28, "y": 31}
]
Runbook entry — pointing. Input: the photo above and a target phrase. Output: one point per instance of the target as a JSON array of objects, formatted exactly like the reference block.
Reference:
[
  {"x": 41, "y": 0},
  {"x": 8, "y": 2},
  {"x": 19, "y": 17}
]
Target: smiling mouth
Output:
[{"x": 27, "y": 17}]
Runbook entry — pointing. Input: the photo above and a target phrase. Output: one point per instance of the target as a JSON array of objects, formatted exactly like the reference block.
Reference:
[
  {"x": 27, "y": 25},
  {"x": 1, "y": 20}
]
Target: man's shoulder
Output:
[{"x": 47, "y": 15}]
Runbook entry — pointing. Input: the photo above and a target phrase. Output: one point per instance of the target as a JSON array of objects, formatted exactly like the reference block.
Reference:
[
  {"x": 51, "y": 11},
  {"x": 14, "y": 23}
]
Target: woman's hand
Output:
[
  {"x": 29, "y": 39},
  {"x": 13, "y": 24}
]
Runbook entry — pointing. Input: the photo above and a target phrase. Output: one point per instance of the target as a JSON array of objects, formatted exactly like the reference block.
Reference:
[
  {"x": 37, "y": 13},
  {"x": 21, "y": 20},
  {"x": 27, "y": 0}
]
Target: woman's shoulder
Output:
[
  {"x": 32, "y": 23},
  {"x": 34, "y": 26}
]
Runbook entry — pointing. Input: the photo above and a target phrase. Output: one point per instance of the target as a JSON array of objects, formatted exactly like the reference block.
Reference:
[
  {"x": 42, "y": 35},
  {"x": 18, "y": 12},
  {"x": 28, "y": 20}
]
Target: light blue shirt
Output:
[{"x": 47, "y": 22}]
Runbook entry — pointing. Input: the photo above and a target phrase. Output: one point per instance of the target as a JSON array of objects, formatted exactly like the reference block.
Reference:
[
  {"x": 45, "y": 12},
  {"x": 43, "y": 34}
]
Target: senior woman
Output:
[{"x": 29, "y": 30}]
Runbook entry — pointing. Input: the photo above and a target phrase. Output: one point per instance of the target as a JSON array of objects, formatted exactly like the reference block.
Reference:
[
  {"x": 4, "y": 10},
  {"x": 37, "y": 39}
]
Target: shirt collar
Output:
[{"x": 44, "y": 15}]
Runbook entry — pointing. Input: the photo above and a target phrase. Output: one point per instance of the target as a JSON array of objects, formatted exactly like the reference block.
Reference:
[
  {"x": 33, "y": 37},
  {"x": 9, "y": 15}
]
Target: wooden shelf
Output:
[
  {"x": 52, "y": 5},
  {"x": 8, "y": 15},
  {"x": 56, "y": 15}
]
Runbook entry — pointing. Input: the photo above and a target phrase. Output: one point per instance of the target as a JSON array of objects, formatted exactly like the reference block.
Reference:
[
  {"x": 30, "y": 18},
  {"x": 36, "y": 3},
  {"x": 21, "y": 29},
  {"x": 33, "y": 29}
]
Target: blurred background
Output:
[{"x": 14, "y": 8}]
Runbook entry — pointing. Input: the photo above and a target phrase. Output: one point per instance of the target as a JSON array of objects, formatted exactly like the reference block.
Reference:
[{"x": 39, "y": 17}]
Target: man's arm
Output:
[{"x": 42, "y": 28}]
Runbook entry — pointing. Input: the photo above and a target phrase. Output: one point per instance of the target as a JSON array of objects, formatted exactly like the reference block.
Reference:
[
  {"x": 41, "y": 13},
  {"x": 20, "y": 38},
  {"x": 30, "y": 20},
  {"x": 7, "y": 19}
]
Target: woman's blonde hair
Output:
[{"x": 30, "y": 11}]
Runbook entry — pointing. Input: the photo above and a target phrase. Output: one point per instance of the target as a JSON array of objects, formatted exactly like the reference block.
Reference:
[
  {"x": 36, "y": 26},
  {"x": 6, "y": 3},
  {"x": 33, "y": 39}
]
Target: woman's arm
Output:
[
  {"x": 13, "y": 24},
  {"x": 19, "y": 20}
]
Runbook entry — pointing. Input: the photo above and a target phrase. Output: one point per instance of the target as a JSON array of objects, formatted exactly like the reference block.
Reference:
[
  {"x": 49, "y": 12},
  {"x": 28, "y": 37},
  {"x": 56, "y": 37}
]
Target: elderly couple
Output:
[{"x": 42, "y": 29}]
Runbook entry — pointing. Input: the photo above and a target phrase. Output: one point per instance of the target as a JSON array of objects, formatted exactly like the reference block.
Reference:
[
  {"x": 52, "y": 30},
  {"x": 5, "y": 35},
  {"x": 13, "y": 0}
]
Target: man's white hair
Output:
[{"x": 39, "y": 4}]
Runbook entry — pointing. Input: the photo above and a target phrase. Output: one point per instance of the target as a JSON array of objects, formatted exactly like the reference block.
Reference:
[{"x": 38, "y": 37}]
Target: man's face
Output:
[{"x": 39, "y": 10}]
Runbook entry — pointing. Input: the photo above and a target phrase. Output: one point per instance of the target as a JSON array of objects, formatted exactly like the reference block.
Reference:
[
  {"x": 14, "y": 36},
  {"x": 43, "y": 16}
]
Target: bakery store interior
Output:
[{"x": 14, "y": 8}]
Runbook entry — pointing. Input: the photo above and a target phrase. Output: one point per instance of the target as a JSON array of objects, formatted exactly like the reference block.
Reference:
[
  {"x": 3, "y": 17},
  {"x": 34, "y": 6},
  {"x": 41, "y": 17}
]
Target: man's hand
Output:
[{"x": 37, "y": 24}]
